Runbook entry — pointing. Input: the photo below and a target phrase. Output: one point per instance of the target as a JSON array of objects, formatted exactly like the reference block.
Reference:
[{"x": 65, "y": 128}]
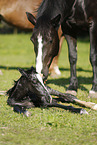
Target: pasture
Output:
[{"x": 52, "y": 125}]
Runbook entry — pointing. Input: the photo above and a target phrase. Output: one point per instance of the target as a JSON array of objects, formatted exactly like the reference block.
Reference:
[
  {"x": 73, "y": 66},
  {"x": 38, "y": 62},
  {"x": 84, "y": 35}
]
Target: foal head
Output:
[{"x": 46, "y": 42}]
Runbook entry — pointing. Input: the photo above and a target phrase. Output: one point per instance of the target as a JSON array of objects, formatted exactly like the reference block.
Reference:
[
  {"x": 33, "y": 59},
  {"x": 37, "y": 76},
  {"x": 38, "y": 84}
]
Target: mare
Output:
[
  {"x": 73, "y": 16},
  {"x": 13, "y": 12}
]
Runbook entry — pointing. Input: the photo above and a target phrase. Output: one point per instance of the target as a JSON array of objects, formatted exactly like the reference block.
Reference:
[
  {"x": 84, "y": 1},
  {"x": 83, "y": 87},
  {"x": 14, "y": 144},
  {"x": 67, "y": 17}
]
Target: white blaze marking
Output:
[
  {"x": 41, "y": 81},
  {"x": 39, "y": 64}
]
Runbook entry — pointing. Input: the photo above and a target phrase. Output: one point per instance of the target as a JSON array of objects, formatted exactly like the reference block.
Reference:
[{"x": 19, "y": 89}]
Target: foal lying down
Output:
[{"x": 29, "y": 91}]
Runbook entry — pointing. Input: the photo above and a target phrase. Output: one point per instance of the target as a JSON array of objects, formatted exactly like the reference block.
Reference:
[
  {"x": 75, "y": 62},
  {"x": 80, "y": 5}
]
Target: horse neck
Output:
[{"x": 51, "y": 8}]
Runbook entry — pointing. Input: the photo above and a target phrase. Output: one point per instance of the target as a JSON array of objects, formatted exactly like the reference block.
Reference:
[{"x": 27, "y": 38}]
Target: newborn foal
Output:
[{"x": 30, "y": 91}]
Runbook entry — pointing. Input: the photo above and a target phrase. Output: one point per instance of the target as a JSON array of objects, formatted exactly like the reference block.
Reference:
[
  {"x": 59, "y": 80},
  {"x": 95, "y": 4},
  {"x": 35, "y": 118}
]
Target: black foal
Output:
[{"x": 30, "y": 91}]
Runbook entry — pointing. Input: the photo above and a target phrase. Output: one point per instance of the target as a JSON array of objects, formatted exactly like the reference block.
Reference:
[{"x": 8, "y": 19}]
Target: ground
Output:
[{"x": 52, "y": 125}]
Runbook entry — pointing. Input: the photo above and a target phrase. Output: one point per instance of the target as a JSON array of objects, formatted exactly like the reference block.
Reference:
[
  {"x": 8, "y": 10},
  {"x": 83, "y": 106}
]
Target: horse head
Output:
[{"x": 45, "y": 40}]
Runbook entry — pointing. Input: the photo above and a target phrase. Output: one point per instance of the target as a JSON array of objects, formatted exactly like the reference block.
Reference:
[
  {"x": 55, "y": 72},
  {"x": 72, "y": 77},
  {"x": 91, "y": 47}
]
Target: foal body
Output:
[{"x": 29, "y": 91}]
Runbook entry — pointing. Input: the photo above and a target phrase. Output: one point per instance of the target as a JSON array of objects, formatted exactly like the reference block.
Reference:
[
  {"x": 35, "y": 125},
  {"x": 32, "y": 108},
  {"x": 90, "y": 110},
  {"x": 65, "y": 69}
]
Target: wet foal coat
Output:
[
  {"x": 30, "y": 91},
  {"x": 73, "y": 16}
]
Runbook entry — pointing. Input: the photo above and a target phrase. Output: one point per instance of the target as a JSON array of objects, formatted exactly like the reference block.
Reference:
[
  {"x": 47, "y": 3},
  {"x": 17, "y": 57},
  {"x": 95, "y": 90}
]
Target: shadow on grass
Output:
[
  {"x": 78, "y": 69},
  {"x": 12, "y": 67},
  {"x": 61, "y": 69},
  {"x": 61, "y": 81},
  {"x": 65, "y": 81}
]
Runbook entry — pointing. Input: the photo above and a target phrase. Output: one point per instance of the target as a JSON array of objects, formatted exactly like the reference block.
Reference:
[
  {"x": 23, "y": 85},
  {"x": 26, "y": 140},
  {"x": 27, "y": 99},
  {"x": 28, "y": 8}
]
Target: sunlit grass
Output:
[{"x": 52, "y": 125}]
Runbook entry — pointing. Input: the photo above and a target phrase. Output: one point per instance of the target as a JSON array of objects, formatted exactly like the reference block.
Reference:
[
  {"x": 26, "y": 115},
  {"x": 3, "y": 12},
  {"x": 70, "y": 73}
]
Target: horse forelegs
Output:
[{"x": 72, "y": 46}]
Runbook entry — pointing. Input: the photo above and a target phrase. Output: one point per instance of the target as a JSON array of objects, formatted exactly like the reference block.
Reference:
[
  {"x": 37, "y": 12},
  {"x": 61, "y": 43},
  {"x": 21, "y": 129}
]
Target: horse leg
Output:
[
  {"x": 93, "y": 57},
  {"x": 54, "y": 69},
  {"x": 70, "y": 108},
  {"x": 72, "y": 46},
  {"x": 0, "y": 70}
]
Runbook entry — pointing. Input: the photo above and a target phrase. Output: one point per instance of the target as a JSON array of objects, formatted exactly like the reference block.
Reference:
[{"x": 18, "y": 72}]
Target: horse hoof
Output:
[
  {"x": 55, "y": 72},
  {"x": 83, "y": 111},
  {"x": 21, "y": 111},
  {"x": 1, "y": 72},
  {"x": 72, "y": 92},
  {"x": 92, "y": 94}
]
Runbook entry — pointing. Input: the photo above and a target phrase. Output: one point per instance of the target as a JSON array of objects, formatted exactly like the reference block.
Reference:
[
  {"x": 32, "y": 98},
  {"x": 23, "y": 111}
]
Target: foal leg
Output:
[
  {"x": 21, "y": 110},
  {"x": 93, "y": 57},
  {"x": 64, "y": 96},
  {"x": 70, "y": 108},
  {"x": 72, "y": 46}
]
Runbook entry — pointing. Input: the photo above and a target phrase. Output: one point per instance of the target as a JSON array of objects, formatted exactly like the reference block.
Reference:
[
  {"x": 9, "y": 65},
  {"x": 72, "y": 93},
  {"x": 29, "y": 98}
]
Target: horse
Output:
[
  {"x": 73, "y": 16},
  {"x": 13, "y": 12},
  {"x": 29, "y": 91}
]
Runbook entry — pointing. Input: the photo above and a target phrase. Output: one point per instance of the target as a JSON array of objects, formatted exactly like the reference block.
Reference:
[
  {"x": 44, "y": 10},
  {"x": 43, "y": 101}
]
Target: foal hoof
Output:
[
  {"x": 21, "y": 111},
  {"x": 27, "y": 113},
  {"x": 92, "y": 94},
  {"x": 2, "y": 93},
  {"x": 83, "y": 111},
  {"x": 72, "y": 92}
]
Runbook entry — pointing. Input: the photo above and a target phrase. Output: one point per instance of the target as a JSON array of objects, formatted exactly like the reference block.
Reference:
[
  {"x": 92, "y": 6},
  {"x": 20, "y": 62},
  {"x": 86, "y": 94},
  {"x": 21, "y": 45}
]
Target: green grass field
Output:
[{"x": 51, "y": 126}]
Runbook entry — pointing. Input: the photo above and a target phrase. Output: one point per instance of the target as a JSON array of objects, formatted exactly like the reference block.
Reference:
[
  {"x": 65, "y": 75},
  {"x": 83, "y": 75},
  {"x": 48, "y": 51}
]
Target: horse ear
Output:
[
  {"x": 55, "y": 21},
  {"x": 31, "y": 18}
]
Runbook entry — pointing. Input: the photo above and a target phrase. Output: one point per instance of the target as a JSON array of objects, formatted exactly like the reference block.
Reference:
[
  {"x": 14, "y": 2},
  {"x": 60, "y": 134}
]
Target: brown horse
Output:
[{"x": 14, "y": 12}]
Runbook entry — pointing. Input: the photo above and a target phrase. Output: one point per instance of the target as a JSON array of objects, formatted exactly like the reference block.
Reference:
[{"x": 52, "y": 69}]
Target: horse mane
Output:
[{"x": 51, "y": 8}]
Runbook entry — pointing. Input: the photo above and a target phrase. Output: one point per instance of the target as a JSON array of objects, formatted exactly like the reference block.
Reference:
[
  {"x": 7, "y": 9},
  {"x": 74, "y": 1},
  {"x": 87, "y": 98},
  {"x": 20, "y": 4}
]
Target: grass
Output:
[{"x": 52, "y": 125}]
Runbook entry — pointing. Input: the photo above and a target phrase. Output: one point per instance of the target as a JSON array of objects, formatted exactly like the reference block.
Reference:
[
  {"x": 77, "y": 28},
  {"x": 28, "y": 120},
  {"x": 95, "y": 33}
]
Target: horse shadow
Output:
[
  {"x": 64, "y": 82},
  {"x": 12, "y": 67}
]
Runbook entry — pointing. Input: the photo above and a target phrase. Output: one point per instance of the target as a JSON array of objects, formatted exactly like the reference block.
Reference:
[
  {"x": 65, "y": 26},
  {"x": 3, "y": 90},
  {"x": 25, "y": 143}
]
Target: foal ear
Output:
[
  {"x": 31, "y": 18},
  {"x": 55, "y": 21},
  {"x": 22, "y": 72}
]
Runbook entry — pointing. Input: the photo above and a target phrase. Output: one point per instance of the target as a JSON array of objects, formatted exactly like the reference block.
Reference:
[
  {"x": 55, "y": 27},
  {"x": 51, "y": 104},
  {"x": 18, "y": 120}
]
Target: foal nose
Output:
[
  {"x": 41, "y": 75},
  {"x": 45, "y": 73}
]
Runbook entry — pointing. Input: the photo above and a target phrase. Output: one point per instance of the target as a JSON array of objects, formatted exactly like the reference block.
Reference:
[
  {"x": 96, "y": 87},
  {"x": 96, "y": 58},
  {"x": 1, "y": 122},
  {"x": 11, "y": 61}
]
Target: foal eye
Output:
[{"x": 50, "y": 41}]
